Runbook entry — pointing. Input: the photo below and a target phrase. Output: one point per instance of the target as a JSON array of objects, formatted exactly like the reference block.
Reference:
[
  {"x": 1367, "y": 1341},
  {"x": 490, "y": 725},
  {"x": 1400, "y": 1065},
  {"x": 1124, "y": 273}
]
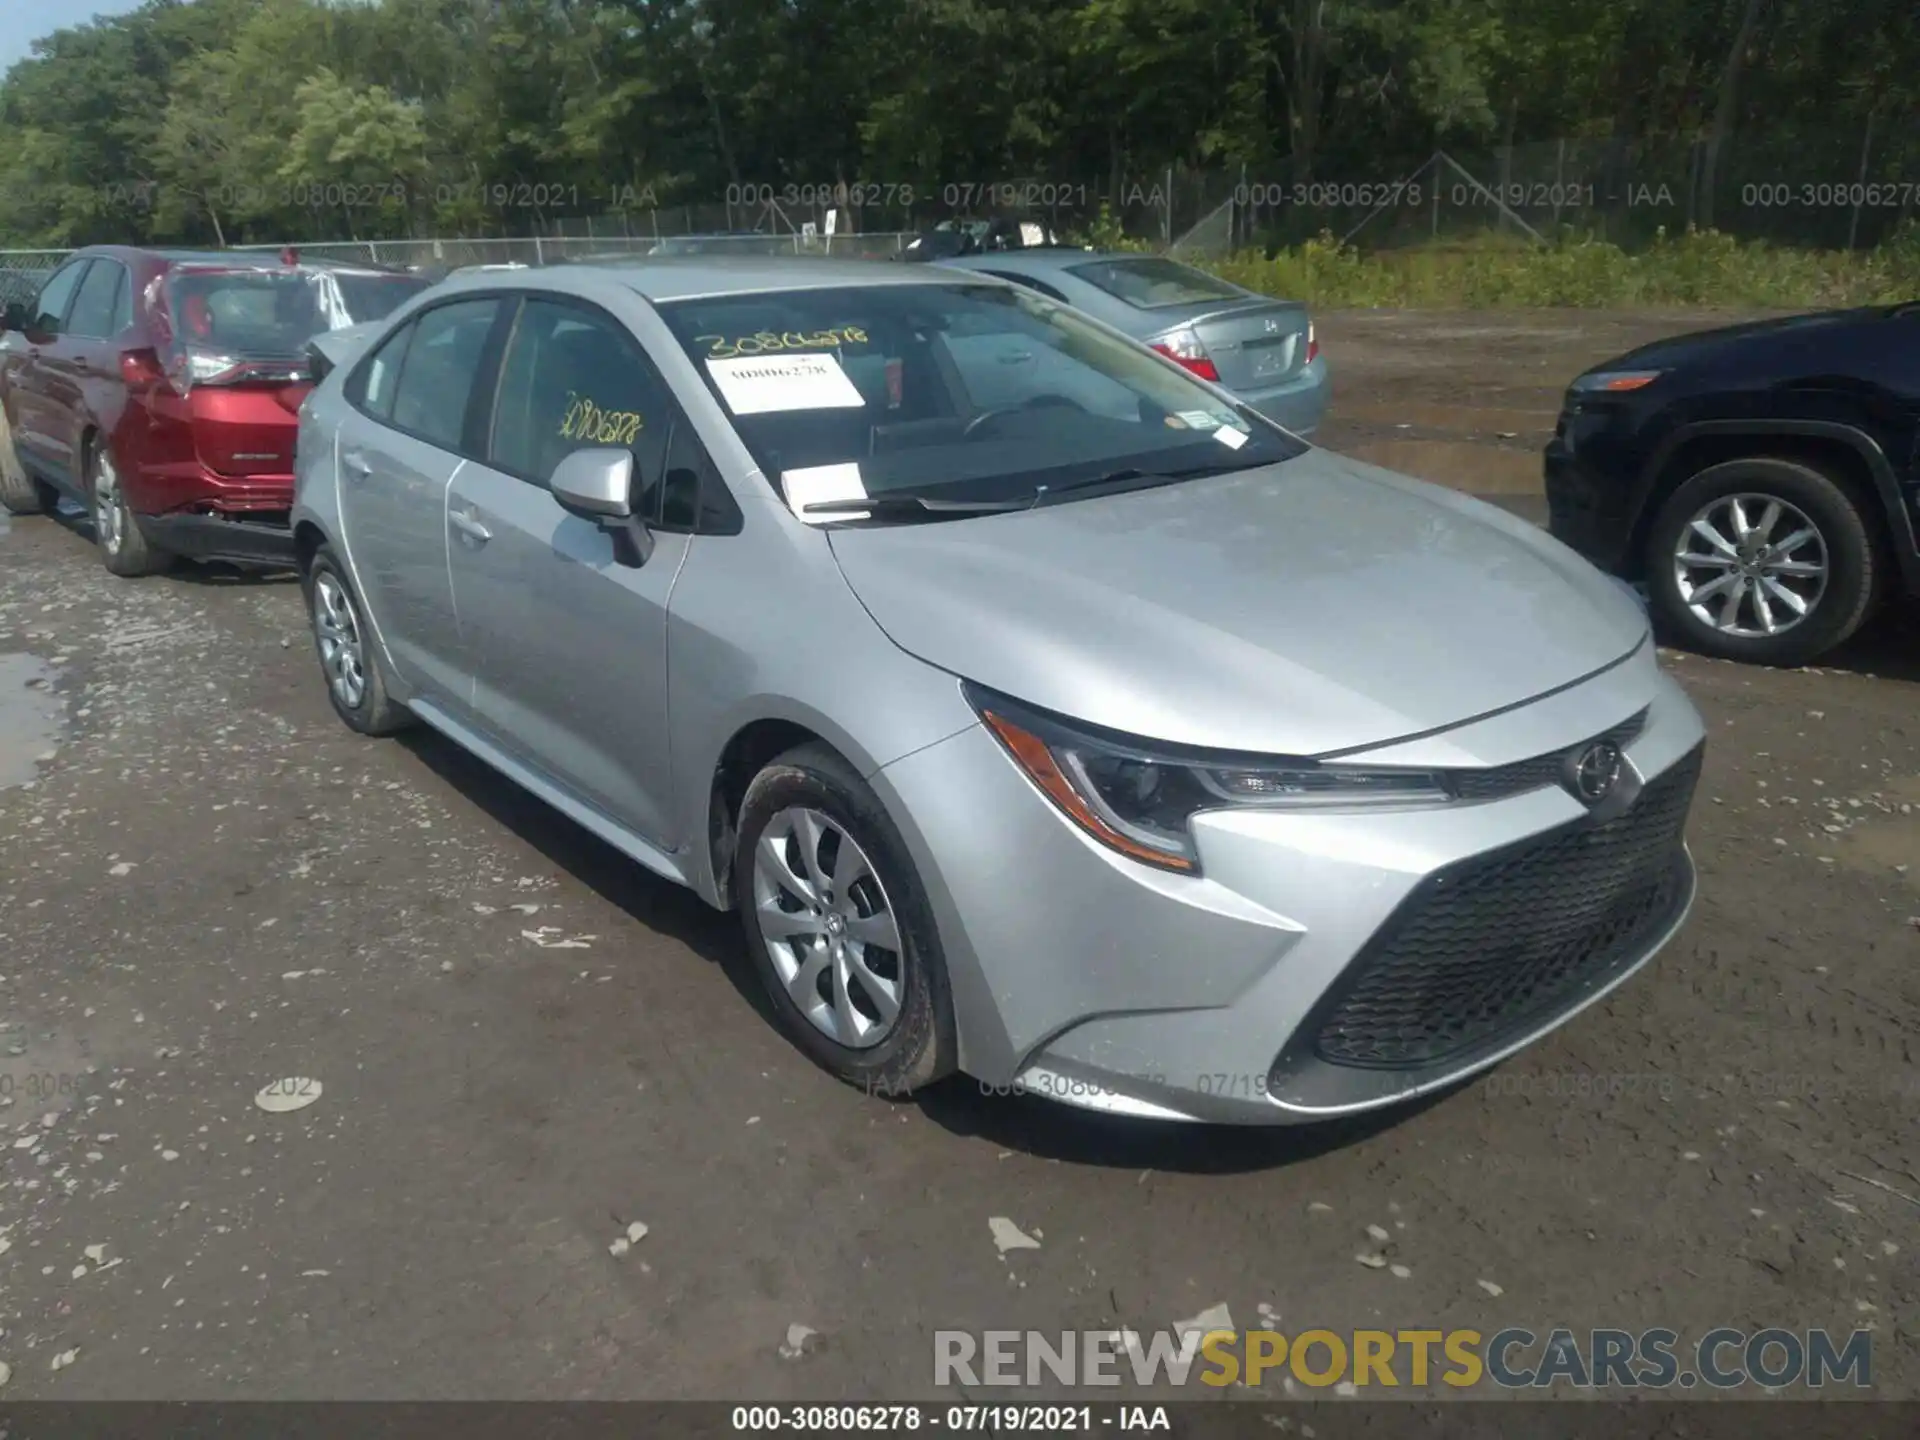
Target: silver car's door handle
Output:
[
  {"x": 357, "y": 466},
  {"x": 1016, "y": 357},
  {"x": 469, "y": 526}
]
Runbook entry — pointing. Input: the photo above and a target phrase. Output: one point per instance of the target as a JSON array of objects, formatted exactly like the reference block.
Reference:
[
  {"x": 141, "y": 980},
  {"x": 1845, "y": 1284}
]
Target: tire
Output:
[
  {"x": 1842, "y": 545},
  {"x": 124, "y": 547},
  {"x": 350, "y": 662},
  {"x": 20, "y": 493},
  {"x": 896, "y": 1055}
]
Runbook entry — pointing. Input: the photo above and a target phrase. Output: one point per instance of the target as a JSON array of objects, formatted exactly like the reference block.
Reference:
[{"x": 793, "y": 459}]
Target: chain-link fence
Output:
[
  {"x": 23, "y": 272},
  {"x": 1832, "y": 188},
  {"x": 453, "y": 253},
  {"x": 1828, "y": 189}
]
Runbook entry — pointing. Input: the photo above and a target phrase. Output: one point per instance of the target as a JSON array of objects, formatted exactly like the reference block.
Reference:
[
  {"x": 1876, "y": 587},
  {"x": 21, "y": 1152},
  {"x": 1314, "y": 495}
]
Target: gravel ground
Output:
[{"x": 512, "y": 1046}]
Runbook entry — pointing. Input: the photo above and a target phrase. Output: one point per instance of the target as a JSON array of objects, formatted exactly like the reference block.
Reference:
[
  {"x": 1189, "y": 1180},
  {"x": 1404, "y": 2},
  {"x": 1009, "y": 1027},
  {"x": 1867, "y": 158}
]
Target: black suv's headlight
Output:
[
  {"x": 1613, "y": 382},
  {"x": 1138, "y": 797}
]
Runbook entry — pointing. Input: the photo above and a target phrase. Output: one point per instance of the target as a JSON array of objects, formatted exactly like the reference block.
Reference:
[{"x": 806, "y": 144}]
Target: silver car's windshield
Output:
[{"x": 960, "y": 392}]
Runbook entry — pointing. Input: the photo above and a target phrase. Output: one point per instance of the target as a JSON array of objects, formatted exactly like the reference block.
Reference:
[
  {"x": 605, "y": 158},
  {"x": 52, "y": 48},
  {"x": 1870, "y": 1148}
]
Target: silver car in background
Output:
[
  {"x": 1044, "y": 715},
  {"x": 1264, "y": 351}
]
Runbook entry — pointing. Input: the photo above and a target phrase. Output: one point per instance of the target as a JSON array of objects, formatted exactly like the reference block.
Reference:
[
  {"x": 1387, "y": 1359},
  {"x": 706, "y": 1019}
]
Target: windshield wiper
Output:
[
  {"x": 1045, "y": 493},
  {"x": 911, "y": 507},
  {"x": 905, "y": 506}
]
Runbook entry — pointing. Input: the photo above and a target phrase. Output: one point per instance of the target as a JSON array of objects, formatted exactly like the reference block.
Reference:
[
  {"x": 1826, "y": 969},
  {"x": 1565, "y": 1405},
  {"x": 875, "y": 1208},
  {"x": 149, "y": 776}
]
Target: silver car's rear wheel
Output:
[
  {"x": 828, "y": 926},
  {"x": 357, "y": 683},
  {"x": 1751, "y": 565},
  {"x": 343, "y": 659}
]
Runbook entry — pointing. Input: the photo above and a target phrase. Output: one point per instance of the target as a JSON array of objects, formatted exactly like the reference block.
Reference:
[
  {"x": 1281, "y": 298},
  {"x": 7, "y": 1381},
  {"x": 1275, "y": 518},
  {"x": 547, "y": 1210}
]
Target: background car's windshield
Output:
[
  {"x": 1149, "y": 282},
  {"x": 963, "y": 391},
  {"x": 275, "y": 312},
  {"x": 374, "y": 296}
]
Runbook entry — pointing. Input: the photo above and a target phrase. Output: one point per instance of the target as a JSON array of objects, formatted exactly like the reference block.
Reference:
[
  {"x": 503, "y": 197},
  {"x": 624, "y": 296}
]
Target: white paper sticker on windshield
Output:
[
  {"x": 817, "y": 484},
  {"x": 1231, "y": 438},
  {"x": 1200, "y": 420},
  {"x": 761, "y": 384}
]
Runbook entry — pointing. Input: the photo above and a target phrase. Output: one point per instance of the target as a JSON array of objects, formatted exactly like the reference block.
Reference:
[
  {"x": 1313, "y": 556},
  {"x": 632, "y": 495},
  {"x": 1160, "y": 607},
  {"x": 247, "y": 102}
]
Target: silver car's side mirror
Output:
[{"x": 597, "y": 484}]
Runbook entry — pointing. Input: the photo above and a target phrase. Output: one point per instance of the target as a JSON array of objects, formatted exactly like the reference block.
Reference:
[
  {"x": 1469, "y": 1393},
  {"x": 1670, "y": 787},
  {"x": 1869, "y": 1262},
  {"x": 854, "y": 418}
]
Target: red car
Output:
[{"x": 160, "y": 389}]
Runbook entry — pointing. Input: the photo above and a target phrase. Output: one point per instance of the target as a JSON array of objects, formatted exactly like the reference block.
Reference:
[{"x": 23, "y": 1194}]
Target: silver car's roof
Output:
[
  {"x": 689, "y": 277},
  {"x": 1040, "y": 259}
]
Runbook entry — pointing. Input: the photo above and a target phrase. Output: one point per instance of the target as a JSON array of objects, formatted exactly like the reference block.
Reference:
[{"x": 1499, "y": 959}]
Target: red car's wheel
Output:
[{"x": 124, "y": 546}]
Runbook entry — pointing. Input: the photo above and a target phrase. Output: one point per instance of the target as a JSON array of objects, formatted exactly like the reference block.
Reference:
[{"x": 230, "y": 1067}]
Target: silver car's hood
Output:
[{"x": 1314, "y": 606}]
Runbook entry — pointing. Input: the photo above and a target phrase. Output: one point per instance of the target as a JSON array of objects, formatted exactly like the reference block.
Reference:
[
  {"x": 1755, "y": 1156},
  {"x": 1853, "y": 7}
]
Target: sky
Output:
[{"x": 24, "y": 21}]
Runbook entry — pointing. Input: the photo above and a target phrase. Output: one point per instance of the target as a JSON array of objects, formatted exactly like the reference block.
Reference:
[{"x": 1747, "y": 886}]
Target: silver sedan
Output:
[
  {"x": 1261, "y": 350},
  {"x": 1042, "y": 713}
]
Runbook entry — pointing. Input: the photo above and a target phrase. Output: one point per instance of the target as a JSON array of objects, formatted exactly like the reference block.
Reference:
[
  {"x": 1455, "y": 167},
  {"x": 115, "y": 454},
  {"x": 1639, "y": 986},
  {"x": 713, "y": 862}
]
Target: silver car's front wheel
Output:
[
  {"x": 1751, "y": 565},
  {"x": 828, "y": 926},
  {"x": 838, "y": 924}
]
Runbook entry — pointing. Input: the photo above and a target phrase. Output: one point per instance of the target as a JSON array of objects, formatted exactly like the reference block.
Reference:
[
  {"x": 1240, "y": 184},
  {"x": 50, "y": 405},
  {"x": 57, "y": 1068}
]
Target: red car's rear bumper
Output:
[
  {"x": 190, "y": 510},
  {"x": 160, "y": 489}
]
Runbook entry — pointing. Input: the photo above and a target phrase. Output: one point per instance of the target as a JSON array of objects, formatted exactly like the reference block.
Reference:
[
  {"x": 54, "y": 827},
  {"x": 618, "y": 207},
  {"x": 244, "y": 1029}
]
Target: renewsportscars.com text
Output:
[{"x": 1515, "y": 1358}]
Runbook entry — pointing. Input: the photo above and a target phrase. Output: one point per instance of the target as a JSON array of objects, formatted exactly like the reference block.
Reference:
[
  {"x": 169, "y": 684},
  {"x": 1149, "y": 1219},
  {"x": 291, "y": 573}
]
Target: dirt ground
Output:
[{"x": 208, "y": 885}]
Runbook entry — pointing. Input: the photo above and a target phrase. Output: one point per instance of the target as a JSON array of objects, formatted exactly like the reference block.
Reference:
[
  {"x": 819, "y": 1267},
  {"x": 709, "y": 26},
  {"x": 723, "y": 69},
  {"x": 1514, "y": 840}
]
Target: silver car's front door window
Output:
[
  {"x": 398, "y": 453},
  {"x": 571, "y": 644}
]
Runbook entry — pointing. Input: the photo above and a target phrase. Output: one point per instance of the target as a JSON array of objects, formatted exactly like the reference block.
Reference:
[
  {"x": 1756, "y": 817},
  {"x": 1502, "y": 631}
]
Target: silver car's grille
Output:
[
  {"x": 1539, "y": 772},
  {"x": 1487, "y": 947}
]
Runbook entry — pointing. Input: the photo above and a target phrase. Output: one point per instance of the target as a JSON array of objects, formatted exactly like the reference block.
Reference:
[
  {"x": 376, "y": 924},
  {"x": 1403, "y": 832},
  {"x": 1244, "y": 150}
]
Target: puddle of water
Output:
[{"x": 29, "y": 717}]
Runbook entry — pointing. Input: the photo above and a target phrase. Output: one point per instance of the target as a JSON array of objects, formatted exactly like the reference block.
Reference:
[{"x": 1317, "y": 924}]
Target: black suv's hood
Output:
[{"x": 1756, "y": 335}]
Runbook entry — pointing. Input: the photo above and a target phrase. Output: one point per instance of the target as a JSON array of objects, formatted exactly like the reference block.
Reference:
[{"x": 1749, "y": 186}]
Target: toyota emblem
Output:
[{"x": 1594, "y": 770}]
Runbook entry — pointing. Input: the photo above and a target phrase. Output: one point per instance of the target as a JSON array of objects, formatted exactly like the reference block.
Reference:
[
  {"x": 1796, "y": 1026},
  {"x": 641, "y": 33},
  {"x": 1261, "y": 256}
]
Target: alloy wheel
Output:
[
  {"x": 109, "y": 515},
  {"x": 342, "y": 655},
  {"x": 1751, "y": 565},
  {"x": 829, "y": 927}
]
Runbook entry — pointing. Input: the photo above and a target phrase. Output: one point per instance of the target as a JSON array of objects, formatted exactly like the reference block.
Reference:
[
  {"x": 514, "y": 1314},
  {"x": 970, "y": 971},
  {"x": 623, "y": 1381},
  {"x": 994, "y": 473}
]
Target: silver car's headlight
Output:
[{"x": 1138, "y": 797}]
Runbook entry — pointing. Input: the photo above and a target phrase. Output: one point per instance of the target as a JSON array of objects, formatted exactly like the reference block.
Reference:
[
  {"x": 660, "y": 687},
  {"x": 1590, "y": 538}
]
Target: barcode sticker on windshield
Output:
[
  {"x": 817, "y": 484},
  {"x": 1231, "y": 438},
  {"x": 760, "y": 385}
]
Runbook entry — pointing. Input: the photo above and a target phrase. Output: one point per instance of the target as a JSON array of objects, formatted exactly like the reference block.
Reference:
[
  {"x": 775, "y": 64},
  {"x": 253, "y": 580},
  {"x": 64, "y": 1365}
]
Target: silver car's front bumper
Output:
[{"x": 1083, "y": 976}]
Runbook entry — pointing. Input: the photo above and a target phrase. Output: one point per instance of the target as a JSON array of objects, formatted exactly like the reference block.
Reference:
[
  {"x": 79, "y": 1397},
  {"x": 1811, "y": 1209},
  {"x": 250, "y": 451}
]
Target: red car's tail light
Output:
[
  {"x": 1313, "y": 344},
  {"x": 1184, "y": 347},
  {"x": 194, "y": 366},
  {"x": 141, "y": 370}
]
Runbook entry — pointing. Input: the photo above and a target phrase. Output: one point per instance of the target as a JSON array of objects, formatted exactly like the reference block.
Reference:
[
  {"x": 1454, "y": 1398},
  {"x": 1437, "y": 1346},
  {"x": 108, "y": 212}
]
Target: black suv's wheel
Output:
[
  {"x": 349, "y": 655},
  {"x": 124, "y": 547},
  {"x": 1764, "y": 560},
  {"x": 839, "y": 927}
]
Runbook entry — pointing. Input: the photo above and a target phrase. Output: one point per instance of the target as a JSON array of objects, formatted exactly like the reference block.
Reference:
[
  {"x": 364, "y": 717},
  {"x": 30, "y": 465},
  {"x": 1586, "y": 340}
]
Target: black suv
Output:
[{"x": 1763, "y": 480}]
